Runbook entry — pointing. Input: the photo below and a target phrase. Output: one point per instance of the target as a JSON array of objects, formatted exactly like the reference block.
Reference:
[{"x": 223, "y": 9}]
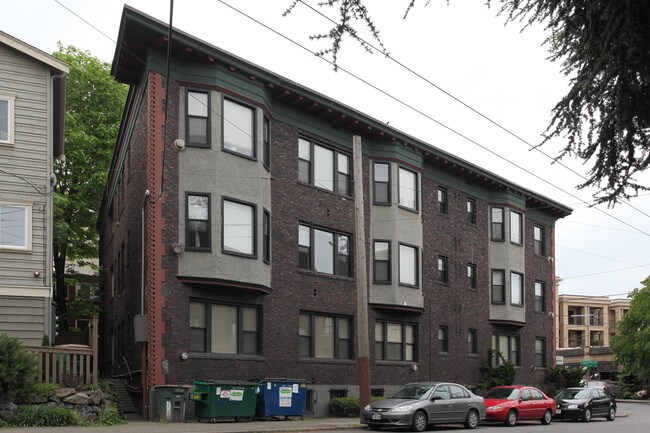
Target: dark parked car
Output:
[
  {"x": 508, "y": 404},
  {"x": 585, "y": 403},
  {"x": 420, "y": 404}
]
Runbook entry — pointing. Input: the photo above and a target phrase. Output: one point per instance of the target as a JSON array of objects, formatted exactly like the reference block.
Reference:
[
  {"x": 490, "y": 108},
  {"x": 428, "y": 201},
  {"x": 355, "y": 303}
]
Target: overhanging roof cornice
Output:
[{"x": 140, "y": 33}]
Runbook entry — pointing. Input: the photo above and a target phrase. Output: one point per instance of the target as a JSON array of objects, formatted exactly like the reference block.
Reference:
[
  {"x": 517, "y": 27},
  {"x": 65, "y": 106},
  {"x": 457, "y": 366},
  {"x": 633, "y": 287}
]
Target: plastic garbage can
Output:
[{"x": 170, "y": 402}]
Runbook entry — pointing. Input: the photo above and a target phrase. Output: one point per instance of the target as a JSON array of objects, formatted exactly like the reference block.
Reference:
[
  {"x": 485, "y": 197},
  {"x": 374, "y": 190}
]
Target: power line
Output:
[
  {"x": 425, "y": 115},
  {"x": 605, "y": 272},
  {"x": 466, "y": 105},
  {"x": 391, "y": 97}
]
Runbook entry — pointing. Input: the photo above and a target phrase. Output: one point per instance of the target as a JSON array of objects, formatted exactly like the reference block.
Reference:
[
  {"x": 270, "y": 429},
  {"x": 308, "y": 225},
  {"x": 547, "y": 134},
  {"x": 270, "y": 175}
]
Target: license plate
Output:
[
  {"x": 376, "y": 416},
  {"x": 558, "y": 411}
]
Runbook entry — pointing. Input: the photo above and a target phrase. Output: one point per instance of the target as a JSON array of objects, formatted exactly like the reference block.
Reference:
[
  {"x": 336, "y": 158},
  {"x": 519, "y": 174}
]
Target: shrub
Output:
[
  {"x": 502, "y": 374},
  {"x": 112, "y": 417},
  {"x": 344, "y": 407},
  {"x": 347, "y": 407},
  {"x": 73, "y": 380},
  {"x": 36, "y": 392},
  {"x": 17, "y": 367},
  {"x": 558, "y": 378},
  {"x": 44, "y": 416}
]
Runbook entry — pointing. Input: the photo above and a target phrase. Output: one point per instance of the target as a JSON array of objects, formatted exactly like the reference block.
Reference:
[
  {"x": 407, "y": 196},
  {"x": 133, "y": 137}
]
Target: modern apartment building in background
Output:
[
  {"x": 586, "y": 325},
  {"x": 32, "y": 123},
  {"x": 227, "y": 237}
]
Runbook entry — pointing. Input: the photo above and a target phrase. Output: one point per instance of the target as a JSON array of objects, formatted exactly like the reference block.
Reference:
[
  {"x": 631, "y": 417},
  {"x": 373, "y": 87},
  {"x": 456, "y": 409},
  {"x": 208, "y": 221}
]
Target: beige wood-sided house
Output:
[{"x": 32, "y": 120}]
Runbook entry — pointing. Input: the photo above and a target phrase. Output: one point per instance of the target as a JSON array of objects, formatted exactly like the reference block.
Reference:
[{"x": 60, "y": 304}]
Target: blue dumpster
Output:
[{"x": 281, "y": 397}]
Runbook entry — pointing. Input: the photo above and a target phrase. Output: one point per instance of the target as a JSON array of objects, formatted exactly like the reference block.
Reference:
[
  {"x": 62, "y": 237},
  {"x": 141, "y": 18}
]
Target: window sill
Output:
[
  {"x": 328, "y": 191},
  {"x": 326, "y": 361},
  {"x": 241, "y": 357},
  {"x": 409, "y": 209},
  {"x": 323, "y": 275},
  {"x": 395, "y": 363}
]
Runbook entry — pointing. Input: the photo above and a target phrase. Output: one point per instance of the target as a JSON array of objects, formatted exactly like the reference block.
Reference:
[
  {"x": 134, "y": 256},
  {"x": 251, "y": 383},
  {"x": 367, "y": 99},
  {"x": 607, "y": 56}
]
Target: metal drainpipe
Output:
[{"x": 143, "y": 351}]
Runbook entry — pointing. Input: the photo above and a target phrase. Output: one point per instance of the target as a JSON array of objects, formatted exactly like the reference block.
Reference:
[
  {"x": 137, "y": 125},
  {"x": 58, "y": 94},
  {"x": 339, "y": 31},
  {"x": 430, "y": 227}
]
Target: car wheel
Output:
[
  {"x": 420, "y": 421},
  {"x": 586, "y": 416},
  {"x": 548, "y": 416},
  {"x": 374, "y": 427},
  {"x": 511, "y": 418},
  {"x": 472, "y": 419},
  {"x": 611, "y": 415}
]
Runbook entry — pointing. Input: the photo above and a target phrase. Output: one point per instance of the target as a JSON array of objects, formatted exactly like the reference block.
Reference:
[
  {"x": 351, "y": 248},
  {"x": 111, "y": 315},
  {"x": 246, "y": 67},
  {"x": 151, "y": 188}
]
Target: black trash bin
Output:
[
  {"x": 282, "y": 397},
  {"x": 170, "y": 402}
]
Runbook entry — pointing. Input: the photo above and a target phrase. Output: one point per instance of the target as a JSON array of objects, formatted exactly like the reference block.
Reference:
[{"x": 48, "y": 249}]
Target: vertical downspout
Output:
[{"x": 143, "y": 345}]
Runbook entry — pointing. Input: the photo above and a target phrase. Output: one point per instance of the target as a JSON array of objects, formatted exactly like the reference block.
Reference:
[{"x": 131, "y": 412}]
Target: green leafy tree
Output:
[
  {"x": 631, "y": 346},
  {"x": 604, "y": 49},
  {"x": 93, "y": 113}
]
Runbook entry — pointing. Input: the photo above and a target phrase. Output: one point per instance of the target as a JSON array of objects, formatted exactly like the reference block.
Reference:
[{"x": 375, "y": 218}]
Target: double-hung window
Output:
[
  {"x": 471, "y": 275},
  {"x": 266, "y": 141},
  {"x": 471, "y": 211},
  {"x": 324, "y": 251},
  {"x": 540, "y": 297},
  {"x": 472, "y": 344},
  {"x": 443, "y": 269},
  {"x": 197, "y": 223},
  {"x": 238, "y": 128},
  {"x": 197, "y": 122},
  {"x": 443, "y": 339},
  {"x": 266, "y": 237},
  {"x": 408, "y": 189},
  {"x": 508, "y": 346},
  {"x": 381, "y": 262},
  {"x": 15, "y": 227},
  {"x": 239, "y": 228},
  {"x": 497, "y": 224},
  {"x": 381, "y": 183},
  {"x": 395, "y": 341},
  {"x": 516, "y": 236},
  {"x": 540, "y": 352},
  {"x": 516, "y": 288},
  {"x": 538, "y": 236},
  {"x": 325, "y": 336},
  {"x": 323, "y": 167},
  {"x": 6, "y": 119},
  {"x": 442, "y": 201},
  {"x": 408, "y": 265},
  {"x": 498, "y": 286},
  {"x": 217, "y": 328}
]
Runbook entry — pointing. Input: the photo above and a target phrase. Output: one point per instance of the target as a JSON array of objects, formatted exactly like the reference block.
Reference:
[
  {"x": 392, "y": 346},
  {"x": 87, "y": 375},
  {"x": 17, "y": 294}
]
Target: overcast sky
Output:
[{"x": 463, "y": 48}]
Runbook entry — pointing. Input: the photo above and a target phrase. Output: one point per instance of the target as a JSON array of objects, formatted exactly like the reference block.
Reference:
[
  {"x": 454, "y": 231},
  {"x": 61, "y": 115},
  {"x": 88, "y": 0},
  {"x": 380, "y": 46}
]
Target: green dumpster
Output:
[{"x": 225, "y": 398}]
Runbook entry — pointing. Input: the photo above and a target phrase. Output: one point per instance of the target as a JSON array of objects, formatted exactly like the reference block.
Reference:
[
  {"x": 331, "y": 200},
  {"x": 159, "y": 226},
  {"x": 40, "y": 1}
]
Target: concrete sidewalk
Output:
[{"x": 221, "y": 426}]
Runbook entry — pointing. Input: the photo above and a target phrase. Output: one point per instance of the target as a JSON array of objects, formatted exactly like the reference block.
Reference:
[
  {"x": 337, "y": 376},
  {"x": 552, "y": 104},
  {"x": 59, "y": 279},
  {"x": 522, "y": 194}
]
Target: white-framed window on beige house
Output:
[
  {"x": 15, "y": 227},
  {"x": 6, "y": 119}
]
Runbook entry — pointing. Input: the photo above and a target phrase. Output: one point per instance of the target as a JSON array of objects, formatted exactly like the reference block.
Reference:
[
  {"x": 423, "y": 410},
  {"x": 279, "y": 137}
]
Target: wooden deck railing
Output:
[{"x": 69, "y": 364}]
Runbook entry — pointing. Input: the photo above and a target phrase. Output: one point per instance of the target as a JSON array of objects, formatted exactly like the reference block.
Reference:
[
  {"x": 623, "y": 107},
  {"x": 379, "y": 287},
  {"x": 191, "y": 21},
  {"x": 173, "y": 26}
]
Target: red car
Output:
[{"x": 508, "y": 404}]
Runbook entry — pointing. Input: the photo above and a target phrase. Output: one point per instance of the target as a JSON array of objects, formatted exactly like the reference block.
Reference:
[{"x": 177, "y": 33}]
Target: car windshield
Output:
[
  {"x": 571, "y": 394},
  {"x": 503, "y": 393},
  {"x": 412, "y": 391}
]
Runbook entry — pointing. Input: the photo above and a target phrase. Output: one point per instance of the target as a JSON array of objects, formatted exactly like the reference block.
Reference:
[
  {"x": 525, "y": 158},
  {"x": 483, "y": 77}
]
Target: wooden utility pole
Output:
[{"x": 363, "y": 346}]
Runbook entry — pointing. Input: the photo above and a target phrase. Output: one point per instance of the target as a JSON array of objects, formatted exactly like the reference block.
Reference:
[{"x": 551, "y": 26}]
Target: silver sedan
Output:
[{"x": 423, "y": 403}]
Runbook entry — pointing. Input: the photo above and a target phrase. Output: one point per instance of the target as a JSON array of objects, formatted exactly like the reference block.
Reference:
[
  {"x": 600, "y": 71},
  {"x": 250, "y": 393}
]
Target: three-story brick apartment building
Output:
[{"x": 228, "y": 222}]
